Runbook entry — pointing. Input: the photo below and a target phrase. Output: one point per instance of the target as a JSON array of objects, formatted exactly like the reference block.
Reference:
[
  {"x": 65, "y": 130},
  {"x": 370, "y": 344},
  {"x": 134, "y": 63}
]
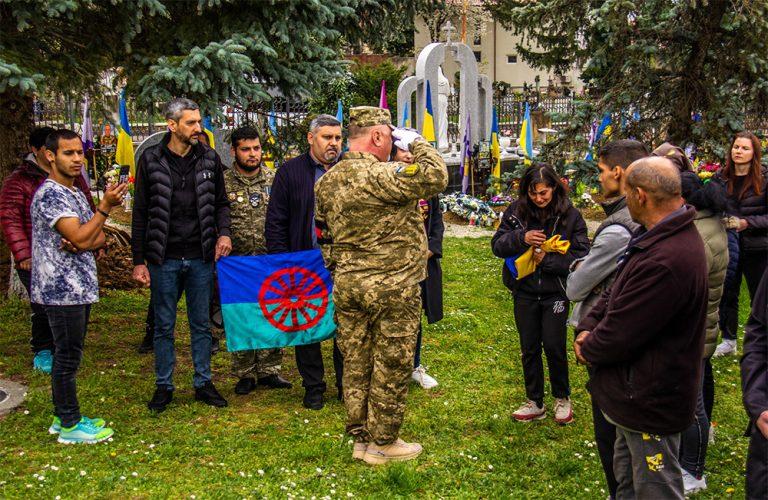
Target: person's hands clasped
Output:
[
  {"x": 404, "y": 137},
  {"x": 535, "y": 238}
]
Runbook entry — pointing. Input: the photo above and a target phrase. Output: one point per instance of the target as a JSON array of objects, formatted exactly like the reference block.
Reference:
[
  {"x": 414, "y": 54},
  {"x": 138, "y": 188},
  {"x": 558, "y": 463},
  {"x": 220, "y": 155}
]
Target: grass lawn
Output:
[{"x": 268, "y": 445}]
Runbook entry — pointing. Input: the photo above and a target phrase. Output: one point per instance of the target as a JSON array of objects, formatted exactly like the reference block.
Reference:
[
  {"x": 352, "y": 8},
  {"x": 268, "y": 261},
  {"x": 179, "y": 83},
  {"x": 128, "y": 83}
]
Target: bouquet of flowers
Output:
[
  {"x": 707, "y": 170},
  {"x": 478, "y": 212}
]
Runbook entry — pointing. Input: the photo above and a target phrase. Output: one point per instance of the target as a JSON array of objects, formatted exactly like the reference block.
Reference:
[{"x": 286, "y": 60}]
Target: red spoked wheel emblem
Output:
[{"x": 293, "y": 299}]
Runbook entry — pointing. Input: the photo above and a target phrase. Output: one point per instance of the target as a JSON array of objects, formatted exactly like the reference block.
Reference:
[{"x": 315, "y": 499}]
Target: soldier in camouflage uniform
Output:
[
  {"x": 373, "y": 241},
  {"x": 248, "y": 184}
]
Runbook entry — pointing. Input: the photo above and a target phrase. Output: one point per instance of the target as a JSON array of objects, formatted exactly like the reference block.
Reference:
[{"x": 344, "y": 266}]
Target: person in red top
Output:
[{"x": 15, "y": 200}]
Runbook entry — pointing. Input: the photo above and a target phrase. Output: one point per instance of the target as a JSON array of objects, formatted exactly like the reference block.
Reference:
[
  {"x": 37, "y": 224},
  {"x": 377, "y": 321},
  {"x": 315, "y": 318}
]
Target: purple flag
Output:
[
  {"x": 87, "y": 136},
  {"x": 383, "y": 95},
  {"x": 466, "y": 151}
]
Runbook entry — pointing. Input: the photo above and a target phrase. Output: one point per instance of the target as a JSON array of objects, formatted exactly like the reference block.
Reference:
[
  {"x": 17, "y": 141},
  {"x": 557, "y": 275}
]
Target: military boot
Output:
[{"x": 398, "y": 451}]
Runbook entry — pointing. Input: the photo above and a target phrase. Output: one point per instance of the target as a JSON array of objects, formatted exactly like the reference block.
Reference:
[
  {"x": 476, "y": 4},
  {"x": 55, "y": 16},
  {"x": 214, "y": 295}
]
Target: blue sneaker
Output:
[
  {"x": 84, "y": 432},
  {"x": 55, "y": 427},
  {"x": 43, "y": 361}
]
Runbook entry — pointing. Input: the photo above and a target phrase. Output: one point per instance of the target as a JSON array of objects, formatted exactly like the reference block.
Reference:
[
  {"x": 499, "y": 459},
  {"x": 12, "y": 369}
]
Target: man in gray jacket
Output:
[{"x": 596, "y": 271}]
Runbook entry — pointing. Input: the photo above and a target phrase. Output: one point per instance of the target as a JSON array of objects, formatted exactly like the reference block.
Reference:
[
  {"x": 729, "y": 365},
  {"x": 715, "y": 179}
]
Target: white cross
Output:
[{"x": 448, "y": 29}]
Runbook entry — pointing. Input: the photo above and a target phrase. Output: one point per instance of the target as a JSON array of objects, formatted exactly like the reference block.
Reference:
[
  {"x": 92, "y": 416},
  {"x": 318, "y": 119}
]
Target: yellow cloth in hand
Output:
[{"x": 526, "y": 265}]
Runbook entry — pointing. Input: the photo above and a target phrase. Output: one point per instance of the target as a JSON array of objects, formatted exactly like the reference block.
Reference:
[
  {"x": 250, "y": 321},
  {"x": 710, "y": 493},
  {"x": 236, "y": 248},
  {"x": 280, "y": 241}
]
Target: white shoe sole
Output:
[
  {"x": 83, "y": 441},
  {"x": 530, "y": 419},
  {"x": 372, "y": 459}
]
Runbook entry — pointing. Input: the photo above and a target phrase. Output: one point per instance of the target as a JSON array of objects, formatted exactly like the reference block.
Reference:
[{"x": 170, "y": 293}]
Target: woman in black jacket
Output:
[
  {"x": 746, "y": 182},
  {"x": 541, "y": 211}
]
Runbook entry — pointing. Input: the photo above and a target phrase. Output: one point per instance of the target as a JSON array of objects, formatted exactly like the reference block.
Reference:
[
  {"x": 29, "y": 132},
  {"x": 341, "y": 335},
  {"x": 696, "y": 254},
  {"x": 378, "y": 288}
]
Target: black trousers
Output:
[
  {"x": 708, "y": 389},
  {"x": 751, "y": 266},
  {"x": 542, "y": 323},
  {"x": 309, "y": 361},
  {"x": 68, "y": 325},
  {"x": 757, "y": 466},
  {"x": 605, "y": 437},
  {"x": 42, "y": 339}
]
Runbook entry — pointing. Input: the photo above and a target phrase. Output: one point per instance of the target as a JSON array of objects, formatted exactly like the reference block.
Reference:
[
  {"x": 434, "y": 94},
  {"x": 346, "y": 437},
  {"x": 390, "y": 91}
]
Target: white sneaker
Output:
[
  {"x": 420, "y": 376},
  {"x": 529, "y": 411},
  {"x": 711, "y": 434},
  {"x": 725, "y": 348},
  {"x": 693, "y": 485},
  {"x": 563, "y": 411}
]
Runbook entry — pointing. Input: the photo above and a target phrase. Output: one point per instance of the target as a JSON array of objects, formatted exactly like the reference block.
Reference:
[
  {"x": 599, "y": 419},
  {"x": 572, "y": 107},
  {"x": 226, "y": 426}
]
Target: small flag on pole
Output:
[
  {"x": 406, "y": 119},
  {"x": 340, "y": 112},
  {"x": 495, "y": 148},
  {"x": 271, "y": 138},
  {"x": 124, "y": 152},
  {"x": 208, "y": 129},
  {"x": 87, "y": 137},
  {"x": 279, "y": 300},
  {"x": 603, "y": 129},
  {"x": 383, "y": 95},
  {"x": 428, "y": 126},
  {"x": 526, "y": 135},
  {"x": 466, "y": 152}
]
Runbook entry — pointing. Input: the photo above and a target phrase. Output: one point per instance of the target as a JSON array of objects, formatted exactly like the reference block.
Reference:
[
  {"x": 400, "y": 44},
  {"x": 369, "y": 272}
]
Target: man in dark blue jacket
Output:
[{"x": 290, "y": 227}]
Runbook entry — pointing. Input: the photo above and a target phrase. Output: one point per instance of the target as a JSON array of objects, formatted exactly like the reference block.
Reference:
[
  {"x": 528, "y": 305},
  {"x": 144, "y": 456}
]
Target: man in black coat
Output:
[
  {"x": 180, "y": 227},
  {"x": 290, "y": 227},
  {"x": 645, "y": 336},
  {"x": 754, "y": 385}
]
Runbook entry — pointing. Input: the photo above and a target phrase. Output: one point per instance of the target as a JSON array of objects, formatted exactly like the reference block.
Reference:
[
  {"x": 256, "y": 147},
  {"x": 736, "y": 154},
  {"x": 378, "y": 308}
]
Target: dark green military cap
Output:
[{"x": 369, "y": 116}]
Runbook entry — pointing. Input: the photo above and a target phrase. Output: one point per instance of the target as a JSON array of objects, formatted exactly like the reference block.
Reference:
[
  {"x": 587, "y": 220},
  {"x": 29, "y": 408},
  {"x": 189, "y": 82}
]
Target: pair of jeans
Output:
[
  {"x": 751, "y": 266},
  {"x": 543, "y": 323},
  {"x": 68, "y": 326},
  {"x": 695, "y": 439},
  {"x": 42, "y": 339},
  {"x": 166, "y": 280}
]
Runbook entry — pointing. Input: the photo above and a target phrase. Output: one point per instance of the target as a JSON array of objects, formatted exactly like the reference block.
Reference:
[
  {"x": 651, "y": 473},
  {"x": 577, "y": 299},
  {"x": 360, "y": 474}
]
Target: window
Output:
[
  {"x": 511, "y": 58},
  {"x": 478, "y": 55}
]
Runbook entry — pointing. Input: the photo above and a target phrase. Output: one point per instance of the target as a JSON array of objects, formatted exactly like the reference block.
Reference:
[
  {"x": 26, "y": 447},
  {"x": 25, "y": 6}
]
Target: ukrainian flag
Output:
[
  {"x": 208, "y": 129},
  {"x": 526, "y": 135},
  {"x": 340, "y": 112},
  {"x": 428, "y": 126},
  {"x": 271, "y": 134},
  {"x": 124, "y": 153},
  {"x": 406, "y": 119},
  {"x": 495, "y": 149}
]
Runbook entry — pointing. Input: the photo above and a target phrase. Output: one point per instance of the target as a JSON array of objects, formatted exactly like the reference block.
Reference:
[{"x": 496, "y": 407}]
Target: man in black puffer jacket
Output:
[{"x": 180, "y": 227}]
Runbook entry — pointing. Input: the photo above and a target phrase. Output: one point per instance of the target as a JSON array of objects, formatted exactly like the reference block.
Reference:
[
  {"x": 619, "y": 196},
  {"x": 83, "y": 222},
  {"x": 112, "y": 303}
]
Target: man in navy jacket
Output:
[{"x": 290, "y": 227}]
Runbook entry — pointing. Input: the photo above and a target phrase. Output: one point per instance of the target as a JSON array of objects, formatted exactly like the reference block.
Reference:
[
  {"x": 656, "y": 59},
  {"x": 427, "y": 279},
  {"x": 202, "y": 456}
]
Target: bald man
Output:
[{"x": 645, "y": 336}]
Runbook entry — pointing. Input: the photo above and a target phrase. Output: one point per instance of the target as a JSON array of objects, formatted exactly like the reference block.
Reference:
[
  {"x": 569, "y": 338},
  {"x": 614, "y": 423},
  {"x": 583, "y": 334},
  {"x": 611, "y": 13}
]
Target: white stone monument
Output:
[{"x": 476, "y": 93}]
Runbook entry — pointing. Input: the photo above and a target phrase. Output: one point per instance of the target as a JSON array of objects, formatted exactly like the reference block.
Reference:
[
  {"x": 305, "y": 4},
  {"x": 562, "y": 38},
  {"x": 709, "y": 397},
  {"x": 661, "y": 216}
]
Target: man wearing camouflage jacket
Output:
[
  {"x": 248, "y": 184},
  {"x": 373, "y": 241}
]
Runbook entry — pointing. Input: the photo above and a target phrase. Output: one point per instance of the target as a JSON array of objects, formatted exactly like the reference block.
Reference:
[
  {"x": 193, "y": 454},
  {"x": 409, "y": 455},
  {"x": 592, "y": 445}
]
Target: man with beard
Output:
[
  {"x": 290, "y": 227},
  {"x": 248, "y": 186},
  {"x": 180, "y": 226}
]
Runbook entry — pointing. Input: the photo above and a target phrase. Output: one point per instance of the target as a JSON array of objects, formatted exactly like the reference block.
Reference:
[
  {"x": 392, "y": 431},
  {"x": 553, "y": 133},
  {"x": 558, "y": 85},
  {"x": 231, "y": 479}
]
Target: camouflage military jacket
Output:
[
  {"x": 248, "y": 198},
  {"x": 372, "y": 232}
]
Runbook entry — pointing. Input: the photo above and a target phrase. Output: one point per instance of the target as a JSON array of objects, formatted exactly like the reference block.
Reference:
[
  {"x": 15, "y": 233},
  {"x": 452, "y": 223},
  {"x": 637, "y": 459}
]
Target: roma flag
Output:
[
  {"x": 495, "y": 149},
  {"x": 277, "y": 300},
  {"x": 428, "y": 125},
  {"x": 526, "y": 135},
  {"x": 124, "y": 152},
  {"x": 208, "y": 129}
]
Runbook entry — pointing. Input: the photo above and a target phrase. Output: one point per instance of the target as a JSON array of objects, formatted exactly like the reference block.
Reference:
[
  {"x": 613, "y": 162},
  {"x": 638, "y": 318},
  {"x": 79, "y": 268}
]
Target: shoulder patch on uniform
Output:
[{"x": 406, "y": 170}]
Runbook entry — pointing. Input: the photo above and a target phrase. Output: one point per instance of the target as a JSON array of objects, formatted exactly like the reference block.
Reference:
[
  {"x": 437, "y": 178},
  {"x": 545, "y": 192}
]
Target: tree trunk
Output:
[{"x": 15, "y": 124}]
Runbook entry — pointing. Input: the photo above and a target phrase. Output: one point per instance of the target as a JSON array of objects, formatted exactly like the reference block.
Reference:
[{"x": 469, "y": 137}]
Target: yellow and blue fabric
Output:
[
  {"x": 406, "y": 123},
  {"x": 340, "y": 112},
  {"x": 124, "y": 152},
  {"x": 208, "y": 129},
  {"x": 495, "y": 148},
  {"x": 270, "y": 139},
  {"x": 524, "y": 264},
  {"x": 428, "y": 125},
  {"x": 603, "y": 129},
  {"x": 278, "y": 300},
  {"x": 526, "y": 135},
  {"x": 466, "y": 155}
]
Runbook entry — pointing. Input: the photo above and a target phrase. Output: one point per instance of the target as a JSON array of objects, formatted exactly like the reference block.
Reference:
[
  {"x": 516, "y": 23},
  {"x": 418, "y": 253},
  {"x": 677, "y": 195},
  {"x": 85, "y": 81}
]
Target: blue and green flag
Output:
[{"x": 277, "y": 300}]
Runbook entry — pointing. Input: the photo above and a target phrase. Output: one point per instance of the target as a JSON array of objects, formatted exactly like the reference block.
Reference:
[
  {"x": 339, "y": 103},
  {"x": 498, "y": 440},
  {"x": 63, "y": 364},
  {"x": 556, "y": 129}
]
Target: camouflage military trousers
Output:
[
  {"x": 258, "y": 362},
  {"x": 377, "y": 338}
]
